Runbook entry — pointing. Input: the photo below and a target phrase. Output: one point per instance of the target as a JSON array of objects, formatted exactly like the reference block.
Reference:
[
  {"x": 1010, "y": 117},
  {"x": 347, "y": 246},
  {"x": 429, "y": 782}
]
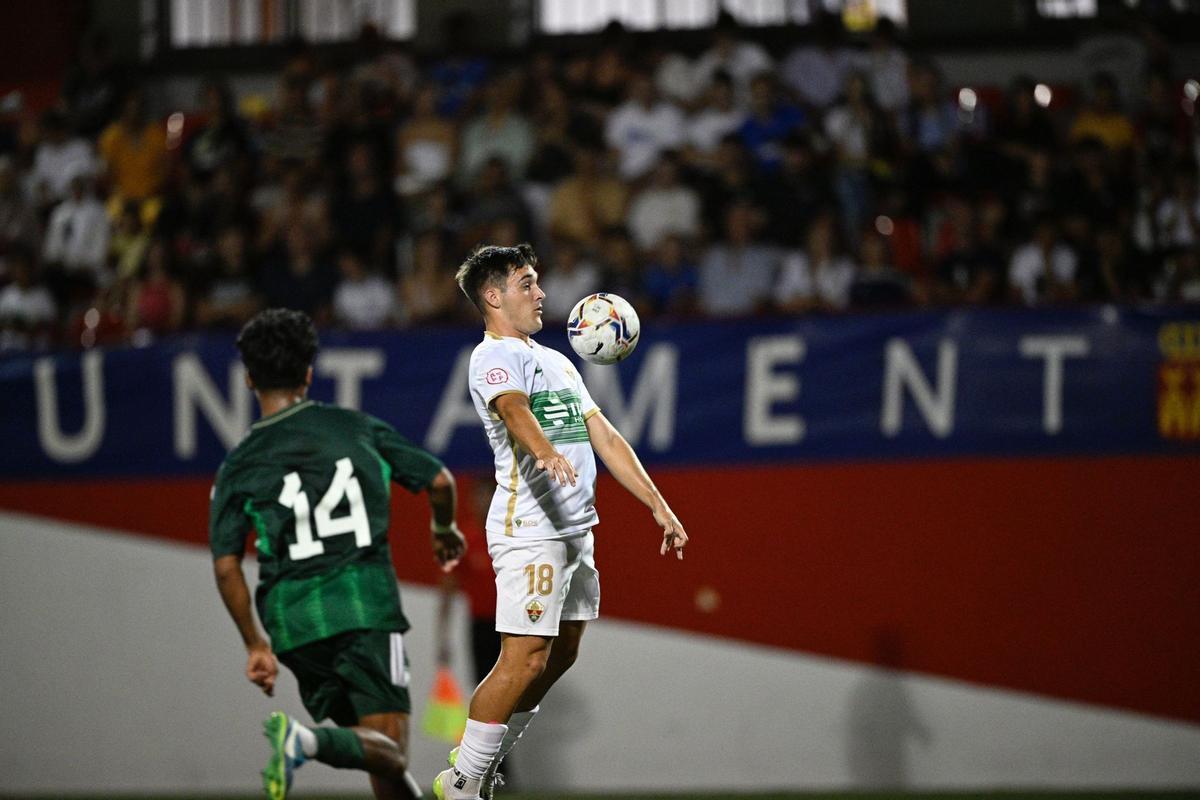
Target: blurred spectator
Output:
[
  {"x": 59, "y": 157},
  {"x": 816, "y": 72},
  {"x": 566, "y": 281},
  {"x": 128, "y": 244},
  {"x": 1102, "y": 118},
  {"x": 500, "y": 131},
  {"x": 363, "y": 300},
  {"x": 1177, "y": 220},
  {"x": 365, "y": 216},
  {"x": 620, "y": 268},
  {"x": 427, "y": 291},
  {"x": 929, "y": 121},
  {"x": 295, "y": 134},
  {"x": 97, "y": 318},
  {"x": 1163, "y": 128},
  {"x": 1043, "y": 269},
  {"x": 134, "y": 149},
  {"x": 718, "y": 117},
  {"x": 223, "y": 139},
  {"x": 493, "y": 199},
  {"x": 970, "y": 266},
  {"x": 76, "y": 245},
  {"x": 560, "y": 126},
  {"x": 299, "y": 278},
  {"x": 797, "y": 192},
  {"x": 671, "y": 279},
  {"x": 292, "y": 203},
  {"x": 877, "y": 284},
  {"x": 610, "y": 71},
  {"x": 741, "y": 59},
  {"x": 1025, "y": 136},
  {"x": 728, "y": 180},
  {"x": 856, "y": 127},
  {"x": 770, "y": 121},
  {"x": 586, "y": 203},
  {"x": 665, "y": 207},
  {"x": 641, "y": 128},
  {"x": 462, "y": 71},
  {"x": 1119, "y": 274},
  {"x": 1180, "y": 281},
  {"x": 817, "y": 278},
  {"x": 156, "y": 299},
  {"x": 675, "y": 77},
  {"x": 18, "y": 221},
  {"x": 739, "y": 273},
  {"x": 27, "y": 309},
  {"x": 228, "y": 298},
  {"x": 426, "y": 145},
  {"x": 93, "y": 86},
  {"x": 886, "y": 67}
]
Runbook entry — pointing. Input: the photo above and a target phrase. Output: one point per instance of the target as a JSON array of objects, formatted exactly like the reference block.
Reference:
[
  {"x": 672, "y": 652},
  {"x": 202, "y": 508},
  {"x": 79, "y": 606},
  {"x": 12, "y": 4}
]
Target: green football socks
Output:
[{"x": 340, "y": 747}]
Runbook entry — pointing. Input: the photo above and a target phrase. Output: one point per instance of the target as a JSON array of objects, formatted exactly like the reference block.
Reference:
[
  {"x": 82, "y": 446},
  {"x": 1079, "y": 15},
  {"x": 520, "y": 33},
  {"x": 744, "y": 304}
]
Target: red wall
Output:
[{"x": 1076, "y": 578}]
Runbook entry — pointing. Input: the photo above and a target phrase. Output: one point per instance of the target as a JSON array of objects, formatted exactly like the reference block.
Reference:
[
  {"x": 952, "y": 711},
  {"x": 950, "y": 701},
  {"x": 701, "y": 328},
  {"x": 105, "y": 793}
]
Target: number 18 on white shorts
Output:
[{"x": 540, "y": 582}]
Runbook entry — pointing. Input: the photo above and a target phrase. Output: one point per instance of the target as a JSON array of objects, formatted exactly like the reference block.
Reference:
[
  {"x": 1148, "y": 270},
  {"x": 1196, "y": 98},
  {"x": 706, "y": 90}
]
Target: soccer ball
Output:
[{"x": 603, "y": 328}]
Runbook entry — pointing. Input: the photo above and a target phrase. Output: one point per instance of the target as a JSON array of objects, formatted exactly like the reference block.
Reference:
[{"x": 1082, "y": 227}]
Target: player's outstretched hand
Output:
[
  {"x": 674, "y": 535},
  {"x": 559, "y": 467},
  {"x": 448, "y": 546},
  {"x": 261, "y": 669}
]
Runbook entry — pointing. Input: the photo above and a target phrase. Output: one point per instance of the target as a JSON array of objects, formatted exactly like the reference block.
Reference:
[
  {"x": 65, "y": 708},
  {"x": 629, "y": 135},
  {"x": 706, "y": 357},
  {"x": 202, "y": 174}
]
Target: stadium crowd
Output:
[{"x": 733, "y": 180}]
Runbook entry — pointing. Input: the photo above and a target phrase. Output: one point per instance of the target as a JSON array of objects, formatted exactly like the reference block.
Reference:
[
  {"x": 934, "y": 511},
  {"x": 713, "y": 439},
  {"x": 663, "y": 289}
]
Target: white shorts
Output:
[{"x": 540, "y": 582}]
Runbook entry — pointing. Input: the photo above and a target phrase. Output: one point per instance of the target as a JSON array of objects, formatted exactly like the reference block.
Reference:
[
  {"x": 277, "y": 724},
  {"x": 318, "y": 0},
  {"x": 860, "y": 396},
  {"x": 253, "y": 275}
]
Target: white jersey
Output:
[{"x": 528, "y": 503}]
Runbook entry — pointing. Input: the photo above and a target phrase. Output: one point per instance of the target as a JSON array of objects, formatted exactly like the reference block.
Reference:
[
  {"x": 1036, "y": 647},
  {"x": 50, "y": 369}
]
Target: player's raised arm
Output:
[
  {"x": 513, "y": 408},
  {"x": 625, "y": 466}
]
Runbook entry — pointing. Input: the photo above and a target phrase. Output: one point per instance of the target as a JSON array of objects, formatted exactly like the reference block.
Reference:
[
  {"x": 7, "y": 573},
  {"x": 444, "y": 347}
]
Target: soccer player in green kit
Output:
[{"x": 313, "y": 482}]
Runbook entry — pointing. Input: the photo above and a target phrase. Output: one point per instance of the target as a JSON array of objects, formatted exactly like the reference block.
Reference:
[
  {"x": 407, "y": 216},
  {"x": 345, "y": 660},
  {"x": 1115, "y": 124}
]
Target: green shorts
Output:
[{"x": 351, "y": 675}]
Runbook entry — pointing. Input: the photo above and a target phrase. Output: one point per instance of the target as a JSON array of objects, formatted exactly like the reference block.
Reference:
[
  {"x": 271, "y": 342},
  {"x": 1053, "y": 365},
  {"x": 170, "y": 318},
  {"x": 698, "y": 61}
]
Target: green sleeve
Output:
[
  {"x": 411, "y": 466},
  {"x": 228, "y": 525}
]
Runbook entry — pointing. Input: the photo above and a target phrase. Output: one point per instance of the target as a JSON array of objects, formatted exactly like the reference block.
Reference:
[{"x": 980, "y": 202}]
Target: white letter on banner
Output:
[
  {"x": 765, "y": 387},
  {"x": 194, "y": 388},
  {"x": 654, "y": 392},
  {"x": 80, "y": 446},
  {"x": 1053, "y": 349},
  {"x": 348, "y": 366},
  {"x": 455, "y": 408},
  {"x": 901, "y": 370}
]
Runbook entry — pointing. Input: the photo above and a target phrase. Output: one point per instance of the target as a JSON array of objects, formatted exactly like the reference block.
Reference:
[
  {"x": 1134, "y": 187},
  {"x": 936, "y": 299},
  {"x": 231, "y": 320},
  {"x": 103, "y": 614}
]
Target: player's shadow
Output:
[
  {"x": 548, "y": 748},
  {"x": 883, "y": 721}
]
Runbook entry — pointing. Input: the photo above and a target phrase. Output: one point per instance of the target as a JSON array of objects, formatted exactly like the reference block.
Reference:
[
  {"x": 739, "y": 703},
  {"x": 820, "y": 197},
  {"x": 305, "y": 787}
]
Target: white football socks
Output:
[
  {"x": 308, "y": 740},
  {"x": 480, "y": 743},
  {"x": 516, "y": 726}
]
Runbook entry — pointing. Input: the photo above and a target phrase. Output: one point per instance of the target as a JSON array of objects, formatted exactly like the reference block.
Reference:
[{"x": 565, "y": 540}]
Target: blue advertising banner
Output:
[{"x": 1102, "y": 380}]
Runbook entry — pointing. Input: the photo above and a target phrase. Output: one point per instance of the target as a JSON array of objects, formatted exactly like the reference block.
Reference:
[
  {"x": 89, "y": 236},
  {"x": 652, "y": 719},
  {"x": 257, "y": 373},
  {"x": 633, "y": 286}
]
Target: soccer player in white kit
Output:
[{"x": 543, "y": 428}]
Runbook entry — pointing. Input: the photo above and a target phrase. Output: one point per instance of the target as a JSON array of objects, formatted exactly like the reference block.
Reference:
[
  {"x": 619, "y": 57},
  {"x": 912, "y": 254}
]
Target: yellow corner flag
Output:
[{"x": 446, "y": 712}]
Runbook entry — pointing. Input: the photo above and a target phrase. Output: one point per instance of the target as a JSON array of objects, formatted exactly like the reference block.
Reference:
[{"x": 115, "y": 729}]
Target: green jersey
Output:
[{"x": 313, "y": 482}]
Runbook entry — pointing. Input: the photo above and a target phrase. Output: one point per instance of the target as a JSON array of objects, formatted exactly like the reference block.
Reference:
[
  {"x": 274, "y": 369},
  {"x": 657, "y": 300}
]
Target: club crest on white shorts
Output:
[{"x": 534, "y": 609}]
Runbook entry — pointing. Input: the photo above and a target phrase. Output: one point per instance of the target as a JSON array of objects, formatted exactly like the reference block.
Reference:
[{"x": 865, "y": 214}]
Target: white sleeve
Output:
[
  {"x": 502, "y": 370},
  {"x": 587, "y": 406}
]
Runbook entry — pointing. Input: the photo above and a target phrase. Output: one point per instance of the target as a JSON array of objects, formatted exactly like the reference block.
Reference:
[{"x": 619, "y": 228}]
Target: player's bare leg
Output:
[
  {"x": 384, "y": 740},
  {"x": 563, "y": 653}
]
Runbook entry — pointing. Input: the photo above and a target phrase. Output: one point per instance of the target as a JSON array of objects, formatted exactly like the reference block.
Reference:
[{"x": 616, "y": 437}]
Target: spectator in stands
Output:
[
  {"x": 857, "y": 128},
  {"x": 27, "y": 309},
  {"x": 501, "y": 130},
  {"x": 58, "y": 158},
  {"x": 426, "y": 145},
  {"x": 76, "y": 245},
  {"x": 969, "y": 267},
  {"x": 886, "y": 67},
  {"x": 610, "y": 71},
  {"x": 129, "y": 243},
  {"x": 299, "y": 277},
  {"x": 929, "y": 121},
  {"x": 366, "y": 215},
  {"x": 642, "y": 128},
  {"x": 718, "y": 117},
  {"x": 1043, "y": 269},
  {"x": 228, "y": 297},
  {"x": 462, "y": 71},
  {"x": 1177, "y": 219},
  {"x": 671, "y": 279},
  {"x": 94, "y": 86},
  {"x": 771, "y": 120},
  {"x": 560, "y": 126},
  {"x": 738, "y": 57},
  {"x": 1164, "y": 130},
  {"x": 290, "y": 204},
  {"x": 665, "y": 207},
  {"x": 296, "y": 133},
  {"x": 621, "y": 268},
  {"x": 18, "y": 220},
  {"x": 728, "y": 180},
  {"x": 493, "y": 198},
  {"x": 675, "y": 77},
  {"x": 134, "y": 149},
  {"x": 818, "y": 277},
  {"x": 156, "y": 300},
  {"x": 816, "y": 72},
  {"x": 797, "y": 192},
  {"x": 589, "y": 201},
  {"x": 567, "y": 279},
  {"x": 1180, "y": 281},
  {"x": 1025, "y": 136},
  {"x": 427, "y": 291},
  {"x": 1103, "y": 118},
  {"x": 877, "y": 284},
  {"x": 363, "y": 300},
  {"x": 738, "y": 274},
  {"x": 223, "y": 140}
]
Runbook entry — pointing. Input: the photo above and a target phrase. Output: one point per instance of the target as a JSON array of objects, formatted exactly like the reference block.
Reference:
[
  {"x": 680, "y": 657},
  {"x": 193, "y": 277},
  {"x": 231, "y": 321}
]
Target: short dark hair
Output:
[
  {"x": 278, "y": 347},
  {"x": 491, "y": 265}
]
